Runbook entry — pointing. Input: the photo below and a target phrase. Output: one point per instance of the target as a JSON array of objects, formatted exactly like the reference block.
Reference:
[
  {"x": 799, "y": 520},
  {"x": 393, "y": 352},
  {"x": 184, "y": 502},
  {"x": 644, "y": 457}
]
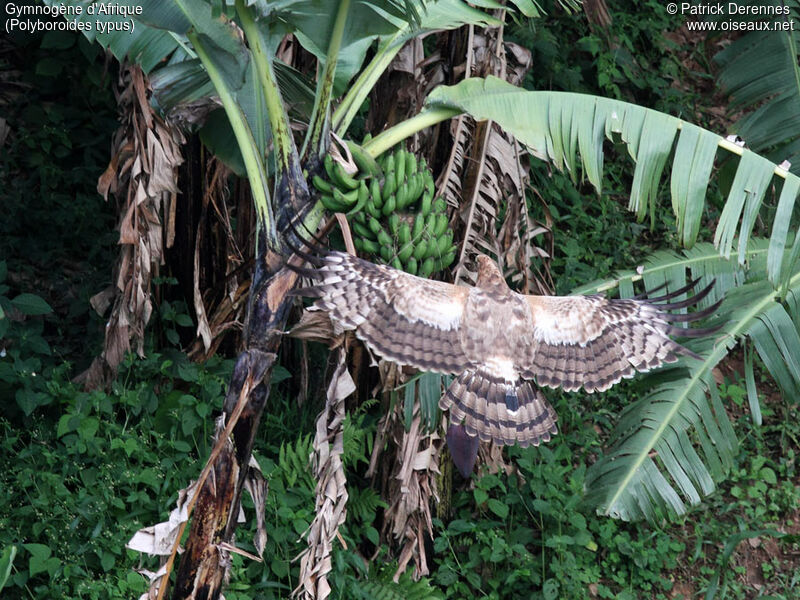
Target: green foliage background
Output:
[{"x": 83, "y": 471}]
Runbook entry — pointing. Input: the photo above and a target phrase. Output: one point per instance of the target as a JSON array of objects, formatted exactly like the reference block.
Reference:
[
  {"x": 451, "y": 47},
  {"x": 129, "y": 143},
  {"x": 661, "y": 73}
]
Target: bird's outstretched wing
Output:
[
  {"x": 406, "y": 319},
  {"x": 593, "y": 342}
]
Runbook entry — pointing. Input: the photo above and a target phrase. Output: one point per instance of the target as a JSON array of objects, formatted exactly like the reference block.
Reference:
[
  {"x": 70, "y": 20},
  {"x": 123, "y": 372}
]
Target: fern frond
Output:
[
  {"x": 358, "y": 434},
  {"x": 294, "y": 464},
  {"x": 405, "y": 589},
  {"x": 363, "y": 504}
]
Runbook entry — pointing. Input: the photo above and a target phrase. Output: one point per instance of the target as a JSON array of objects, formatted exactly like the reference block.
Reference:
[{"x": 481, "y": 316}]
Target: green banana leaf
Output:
[
  {"x": 670, "y": 447},
  {"x": 761, "y": 73},
  {"x": 569, "y": 129}
]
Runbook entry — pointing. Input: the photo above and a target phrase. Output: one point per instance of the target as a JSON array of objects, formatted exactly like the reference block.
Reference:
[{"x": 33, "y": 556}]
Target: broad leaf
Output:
[
  {"x": 6, "y": 562},
  {"x": 159, "y": 38},
  {"x": 438, "y": 15},
  {"x": 144, "y": 44},
  {"x": 312, "y": 23},
  {"x": 559, "y": 126},
  {"x": 31, "y": 304},
  {"x": 761, "y": 72},
  {"x": 671, "y": 446}
]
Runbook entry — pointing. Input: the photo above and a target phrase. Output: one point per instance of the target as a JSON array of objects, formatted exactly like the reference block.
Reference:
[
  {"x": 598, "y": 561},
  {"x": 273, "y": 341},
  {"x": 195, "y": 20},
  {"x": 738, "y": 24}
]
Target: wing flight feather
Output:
[
  {"x": 593, "y": 342},
  {"x": 403, "y": 318}
]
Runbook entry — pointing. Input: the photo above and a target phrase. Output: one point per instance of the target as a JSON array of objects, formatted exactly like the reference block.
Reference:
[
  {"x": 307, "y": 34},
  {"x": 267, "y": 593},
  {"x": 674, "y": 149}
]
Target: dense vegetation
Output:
[{"x": 84, "y": 470}]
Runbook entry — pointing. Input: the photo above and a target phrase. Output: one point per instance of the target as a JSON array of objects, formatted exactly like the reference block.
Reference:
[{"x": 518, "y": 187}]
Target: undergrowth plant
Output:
[
  {"x": 94, "y": 467},
  {"x": 91, "y": 468}
]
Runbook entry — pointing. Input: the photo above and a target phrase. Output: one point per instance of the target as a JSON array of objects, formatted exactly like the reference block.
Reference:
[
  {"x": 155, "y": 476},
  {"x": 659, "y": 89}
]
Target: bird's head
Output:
[{"x": 489, "y": 274}]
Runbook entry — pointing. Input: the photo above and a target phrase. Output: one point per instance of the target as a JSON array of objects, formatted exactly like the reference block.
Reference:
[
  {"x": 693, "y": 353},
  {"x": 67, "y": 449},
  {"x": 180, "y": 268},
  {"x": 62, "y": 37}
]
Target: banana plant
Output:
[
  {"x": 653, "y": 436},
  {"x": 654, "y": 465},
  {"x": 224, "y": 53},
  {"x": 760, "y": 72}
]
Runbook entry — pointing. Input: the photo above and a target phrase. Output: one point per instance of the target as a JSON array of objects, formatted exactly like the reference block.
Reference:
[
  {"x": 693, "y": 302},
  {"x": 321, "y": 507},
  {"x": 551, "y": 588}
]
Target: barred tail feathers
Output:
[{"x": 497, "y": 410}]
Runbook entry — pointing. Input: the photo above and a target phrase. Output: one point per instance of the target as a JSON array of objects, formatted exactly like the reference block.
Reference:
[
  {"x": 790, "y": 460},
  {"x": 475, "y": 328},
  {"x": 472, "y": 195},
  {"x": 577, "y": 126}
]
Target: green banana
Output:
[
  {"x": 375, "y": 192},
  {"x": 360, "y": 217},
  {"x": 389, "y": 184},
  {"x": 445, "y": 261},
  {"x": 364, "y": 160},
  {"x": 420, "y": 250},
  {"x": 362, "y": 231},
  {"x": 399, "y": 167},
  {"x": 419, "y": 187},
  {"x": 411, "y": 164},
  {"x": 397, "y": 264},
  {"x": 389, "y": 205},
  {"x": 374, "y": 225},
  {"x": 359, "y": 244},
  {"x": 394, "y": 223},
  {"x": 411, "y": 266},
  {"x": 409, "y": 184},
  {"x": 372, "y": 210},
  {"x": 439, "y": 205},
  {"x": 328, "y": 164},
  {"x": 384, "y": 239},
  {"x": 441, "y": 225},
  {"x": 328, "y": 202},
  {"x": 430, "y": 224},
  {"x": 426, "y": 268},
  {"x": 388, "y": 164},
  {"x": 370, "y": 246},
  {"x": 429, "y": 187},
  {"x": 406, "y": 251},
  {"x": 322, "y": 185},
  {"x": 402, "y": 196},
  {"x": 425, "y": 205},
  {"x": 386, "y": 253},
  {"x": 444, "y": 242},
  {"x": 419, "y": 224},
  {"x": 332, "y": 204},
  {"x": 404, "y": 233},
  {"x": 346, "y": 198},
  {"x": 363, "y": 195},
  {"x": 418, "y": 183},
  {"x": 342, "y": 179},
  {"x": 433, "y": 249}
]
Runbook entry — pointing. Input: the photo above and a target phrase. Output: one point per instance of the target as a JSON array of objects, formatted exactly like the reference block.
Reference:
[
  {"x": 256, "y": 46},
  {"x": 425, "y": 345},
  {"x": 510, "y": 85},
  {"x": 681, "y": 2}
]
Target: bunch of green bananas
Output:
[
  {"x": 342, "y": 192},
  {"x": 397, "y": 220},
  {"x": 401, "y": 222}
]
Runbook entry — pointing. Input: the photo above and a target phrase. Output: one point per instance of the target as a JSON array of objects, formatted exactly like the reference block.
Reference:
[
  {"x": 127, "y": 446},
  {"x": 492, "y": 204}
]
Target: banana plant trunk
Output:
[{"x": 205, "y": 562}]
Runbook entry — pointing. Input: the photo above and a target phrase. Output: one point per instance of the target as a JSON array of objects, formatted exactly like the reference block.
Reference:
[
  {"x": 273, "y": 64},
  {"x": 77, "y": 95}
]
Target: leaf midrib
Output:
[{"x": 679, "y": 261}]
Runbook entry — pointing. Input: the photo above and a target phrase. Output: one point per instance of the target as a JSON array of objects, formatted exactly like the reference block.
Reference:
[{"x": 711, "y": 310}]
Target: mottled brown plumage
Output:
[{"x": 496, "y": 341}]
